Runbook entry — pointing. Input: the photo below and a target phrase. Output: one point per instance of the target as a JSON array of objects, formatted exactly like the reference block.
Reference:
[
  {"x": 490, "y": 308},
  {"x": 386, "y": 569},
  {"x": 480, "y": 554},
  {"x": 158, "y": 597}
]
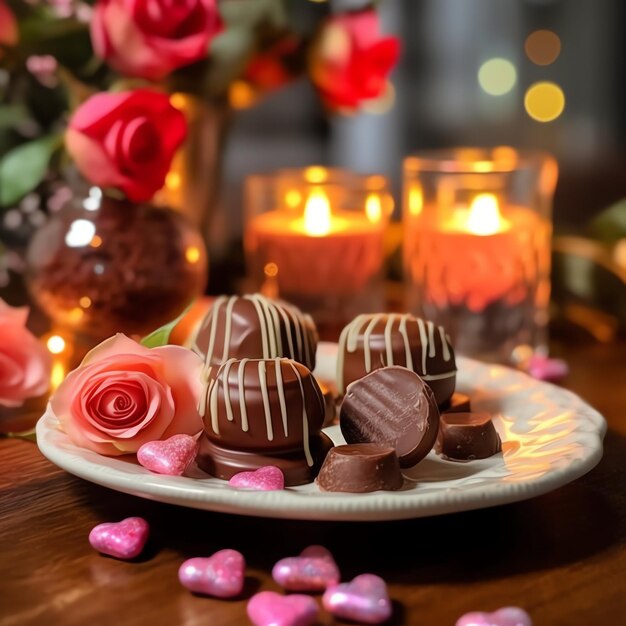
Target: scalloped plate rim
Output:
[{"x": 295, "y": 503}]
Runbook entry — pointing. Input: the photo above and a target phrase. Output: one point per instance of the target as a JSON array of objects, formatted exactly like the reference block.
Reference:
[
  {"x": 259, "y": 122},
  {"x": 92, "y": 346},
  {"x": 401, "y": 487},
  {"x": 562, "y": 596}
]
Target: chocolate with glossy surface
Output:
[
  {"x": 263, "y": 412},
  {"x": 253, "y": 326},
  {"x": 360, "y": 468},
  {"x": 467, "y": 436},
  {"x": 373, "y": 341},
  {"x": 391, "y": 406}
]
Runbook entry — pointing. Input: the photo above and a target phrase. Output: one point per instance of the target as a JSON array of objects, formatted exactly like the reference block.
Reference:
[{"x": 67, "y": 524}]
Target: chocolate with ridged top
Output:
[
  {"x": 382, "y": 339},
  {"x": 467, "y": 436},
  {"x": 255, "y": 327},
  {"x": 360, "y": 468},
  {"x": 391, "y": 406}
]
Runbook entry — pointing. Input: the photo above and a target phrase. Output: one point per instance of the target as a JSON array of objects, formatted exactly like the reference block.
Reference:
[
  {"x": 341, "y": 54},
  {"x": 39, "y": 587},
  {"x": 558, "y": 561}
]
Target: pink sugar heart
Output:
[
  {"x": 507, "y": 616},
  {"x": 314, "y": 570},
  {"x": 123, "y": 540},
  {"x": 545, "y": 368},
  {"x": 365, "y": 600},
  {"x": 221, "y": 575},
  {"x": 171, "y": 456},
  {"x": 268, "y": 478},
  {"x": 268, "y": 608}
]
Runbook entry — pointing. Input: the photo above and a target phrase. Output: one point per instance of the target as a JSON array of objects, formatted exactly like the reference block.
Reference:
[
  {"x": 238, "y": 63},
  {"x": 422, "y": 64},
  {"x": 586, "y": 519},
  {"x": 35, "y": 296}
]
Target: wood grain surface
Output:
[{"x": 560, "y": 556}]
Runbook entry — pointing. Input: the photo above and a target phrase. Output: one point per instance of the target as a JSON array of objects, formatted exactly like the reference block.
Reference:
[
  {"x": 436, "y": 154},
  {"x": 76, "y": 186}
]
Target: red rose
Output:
[
  {"x": 126, "y": 140},
  {"x": 8, "y": 26},
  {"x": 351, "y": 61},
  {"x": 150, "y": 38}
]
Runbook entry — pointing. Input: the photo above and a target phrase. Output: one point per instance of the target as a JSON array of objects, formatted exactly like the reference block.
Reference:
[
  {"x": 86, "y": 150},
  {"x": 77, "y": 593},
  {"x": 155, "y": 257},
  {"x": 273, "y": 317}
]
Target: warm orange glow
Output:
[
  {"x": 484, "y": 216},
  {"x": 543, "y": 47},
  {"x": 85, "y": 302},
  {"x": 241, "y": 95},
  {"x": 317, "y": 216},
  {"x": 544, "y": 101},
  {"x": 192, "y": 254},
  {"x": 416, "y": 200},
  {"x": 55, "y": 344},
  {"x": 315, "y": 174},
  {"x": 76, "y": 314},
  {"x": 293, "y": 198},
  {"x": 271, "y": 270},
  {"x": 178, "y": 101},
  {"x": 57, "y": 375},
  {"x": 373, "y": 208},
  {"x": 172, "y": 180},
  {"x": 96, "y": 241}
]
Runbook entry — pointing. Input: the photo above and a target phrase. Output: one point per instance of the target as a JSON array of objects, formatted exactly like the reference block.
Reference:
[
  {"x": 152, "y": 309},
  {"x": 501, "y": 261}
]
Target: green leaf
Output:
[
  {"x": 161, "y": 336},
  {"x": 24, "y": 167},
  {"x": 610, "y": 225},
  {"x": 12, "y": 114}
]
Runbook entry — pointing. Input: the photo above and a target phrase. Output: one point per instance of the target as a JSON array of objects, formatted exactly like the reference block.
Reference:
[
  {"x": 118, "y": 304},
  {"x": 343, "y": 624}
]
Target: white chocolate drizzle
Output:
[
  {"x": 359, "y": 333},
  {"x": 266, "y": 400},
  {"x": 305, "y": 419}
]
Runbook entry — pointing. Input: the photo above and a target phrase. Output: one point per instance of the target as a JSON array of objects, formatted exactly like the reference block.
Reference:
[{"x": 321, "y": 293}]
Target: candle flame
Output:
[
  {"x": 373, "y": 208},
  {"x": 484, "y": 215},
  {"x": 416, "y": 200},
  {"x": 317, "y": 216}
]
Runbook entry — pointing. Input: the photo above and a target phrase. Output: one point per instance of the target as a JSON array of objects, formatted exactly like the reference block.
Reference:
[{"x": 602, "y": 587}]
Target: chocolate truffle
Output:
[
  {"x": 391, "y": 406},
  {"x": 458, "y": 403},
  {"x": 467, "y": 436},
  {"x": 255, "y": 327},
  {"x": 263, "y": 412},
  {"x": 360, "y": 468},
  {"x": 382, "y": 339}
]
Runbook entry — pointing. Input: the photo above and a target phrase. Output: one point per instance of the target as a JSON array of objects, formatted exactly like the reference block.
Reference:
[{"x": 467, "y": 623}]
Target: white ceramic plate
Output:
[{"x": 550, "y": 437}]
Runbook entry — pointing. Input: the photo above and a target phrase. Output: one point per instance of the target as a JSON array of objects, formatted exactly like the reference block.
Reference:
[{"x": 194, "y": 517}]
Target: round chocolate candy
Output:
[
  {"x": 263, "y": 412},
  {"x": 373, "y": 341},
  {"x": 391, "y": 406},
  {"x": 360, "y": 468},
  {"x": 255, "y": 327},
  {"x": 467, "y": 436}
]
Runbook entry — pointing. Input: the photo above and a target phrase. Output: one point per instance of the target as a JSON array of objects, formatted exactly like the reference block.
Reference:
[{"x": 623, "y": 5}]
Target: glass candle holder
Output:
[
  {"x": 477, "y": 231},
  {"x": 315, "y": 236}
]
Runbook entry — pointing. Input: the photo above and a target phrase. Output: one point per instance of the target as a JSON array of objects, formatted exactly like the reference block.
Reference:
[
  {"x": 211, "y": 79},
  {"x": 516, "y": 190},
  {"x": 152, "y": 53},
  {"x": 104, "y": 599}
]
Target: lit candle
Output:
[
  {"x": 321, "y": 251},
  {"x": 480, "y": 253}
]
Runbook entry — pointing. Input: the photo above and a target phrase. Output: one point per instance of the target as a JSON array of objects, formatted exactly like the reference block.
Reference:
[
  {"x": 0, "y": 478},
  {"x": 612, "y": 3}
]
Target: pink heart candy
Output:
[
  {"x": 545, "y": 368},
  {"x": 171, "y": 456},
  {"x": 123, "y": 540},
  {"x": 268, "y": 608},
  {"x": 314, "y": 570},
  {"x": 365, "y": 600},
  {"x": 221, "y": 575},
  {"x": 268, "y": 478},
  {"x": 507, "y": 616}
]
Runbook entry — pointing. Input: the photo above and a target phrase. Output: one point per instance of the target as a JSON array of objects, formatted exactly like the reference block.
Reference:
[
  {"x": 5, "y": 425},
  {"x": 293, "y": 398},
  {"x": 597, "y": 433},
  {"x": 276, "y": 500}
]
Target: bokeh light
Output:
[
  {"x": 544, "y": 101},
  {"x": 542, "y": 47},
  {"x": 55, "y": 344},
  {"x": 241, "y": 95},
  {"x": 497, "y": 76}
]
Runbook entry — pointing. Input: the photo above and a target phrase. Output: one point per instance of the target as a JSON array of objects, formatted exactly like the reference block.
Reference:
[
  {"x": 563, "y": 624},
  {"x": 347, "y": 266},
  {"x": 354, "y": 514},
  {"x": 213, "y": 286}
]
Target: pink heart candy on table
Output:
[
  {"x": 171, "y": 457},
  {"x": 314, "y": 570},
  {"x": 365, "y": 600},
  {"x": 123, "y": 540},
  {"x": 507, "y": 616},
  {"x": 268, "y": 478},
  {"x": 269, "y": 608},
  {"x": 221, "y": 575}
]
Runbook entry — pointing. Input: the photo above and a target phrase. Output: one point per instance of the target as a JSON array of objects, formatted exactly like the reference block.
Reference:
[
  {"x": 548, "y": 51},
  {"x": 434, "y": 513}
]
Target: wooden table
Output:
[{"x": 561, "y": 556}]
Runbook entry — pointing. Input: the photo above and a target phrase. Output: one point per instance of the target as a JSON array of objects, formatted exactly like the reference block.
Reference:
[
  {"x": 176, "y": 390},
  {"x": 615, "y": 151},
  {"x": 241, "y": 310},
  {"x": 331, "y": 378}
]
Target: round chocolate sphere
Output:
[
  {"x": 255, "y": 327},
  {"x": 265, "y": 406},
  {"x": 373, "y": 341}
]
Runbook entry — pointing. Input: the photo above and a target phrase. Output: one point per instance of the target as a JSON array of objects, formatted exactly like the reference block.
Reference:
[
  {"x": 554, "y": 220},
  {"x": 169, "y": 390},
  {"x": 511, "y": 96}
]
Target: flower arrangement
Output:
[{"x": 54, "y": 55}]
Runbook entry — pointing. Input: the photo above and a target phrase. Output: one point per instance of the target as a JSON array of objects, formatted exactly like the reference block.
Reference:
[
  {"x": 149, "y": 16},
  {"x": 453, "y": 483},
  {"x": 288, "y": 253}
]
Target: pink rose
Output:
[
  {"x": 352, "y": 61},
  {"x": 150, "y": 38},
  {"x": 123, "y": 395},
  {"x": 24, "y": 362},
  {"x": 8, "y": 26},
  {"x": 126, "y": 140}
]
